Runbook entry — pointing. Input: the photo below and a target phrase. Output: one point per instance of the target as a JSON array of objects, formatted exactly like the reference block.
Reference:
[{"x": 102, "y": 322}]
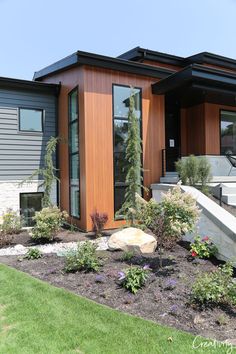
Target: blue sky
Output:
[{"x": 37, "y": 33}]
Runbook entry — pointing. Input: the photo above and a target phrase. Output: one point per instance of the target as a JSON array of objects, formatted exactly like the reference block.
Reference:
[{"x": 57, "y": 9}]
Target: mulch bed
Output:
[{"x": 154, "y": 301}]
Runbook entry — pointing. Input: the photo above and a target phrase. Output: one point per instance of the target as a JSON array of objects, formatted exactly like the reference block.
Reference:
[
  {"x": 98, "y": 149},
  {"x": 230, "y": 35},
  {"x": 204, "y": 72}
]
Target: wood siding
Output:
[{"x": 96, "y": 136}]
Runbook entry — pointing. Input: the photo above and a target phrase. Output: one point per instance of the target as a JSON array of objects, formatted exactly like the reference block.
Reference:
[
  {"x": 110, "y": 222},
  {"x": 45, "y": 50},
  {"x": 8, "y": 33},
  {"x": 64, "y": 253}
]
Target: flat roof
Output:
[
  {"x": 7, "y": 82},
  {"x": 85, "y": 58}
]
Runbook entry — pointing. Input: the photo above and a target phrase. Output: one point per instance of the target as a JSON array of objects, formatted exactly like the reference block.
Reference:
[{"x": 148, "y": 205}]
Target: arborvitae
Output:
[{"x": 133, "y": 161}]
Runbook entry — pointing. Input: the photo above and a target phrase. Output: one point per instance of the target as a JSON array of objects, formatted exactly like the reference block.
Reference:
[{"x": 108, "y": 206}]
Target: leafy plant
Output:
[
  {"x": 33, "y": 253},
  {"x": 194, "y": 171},
  {"x": 127, "y": 256},
  {"x": 133, "y": 159},
  {"x": 203, "y": 248},
  {"x": 48, "y": 223},
  {"x": 84, "y": 258},
  {"x": 48, "y": 172},
  {"x": 174, "y": 216},
  {"x": 216, "y": 287},
  {"x": 99, "y": 220},
  {"x": 11, "y": 222},
  {"x": 134, "y": 278}
]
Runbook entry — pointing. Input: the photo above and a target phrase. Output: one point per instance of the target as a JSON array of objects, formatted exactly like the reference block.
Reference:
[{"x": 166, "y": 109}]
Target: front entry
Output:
[{"x": 172, "y": 135}]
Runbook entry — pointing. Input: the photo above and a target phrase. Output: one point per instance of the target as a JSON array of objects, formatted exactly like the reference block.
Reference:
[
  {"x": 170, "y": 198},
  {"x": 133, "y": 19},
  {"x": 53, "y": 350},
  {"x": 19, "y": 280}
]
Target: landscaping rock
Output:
[{"x": 132, "y": 239}]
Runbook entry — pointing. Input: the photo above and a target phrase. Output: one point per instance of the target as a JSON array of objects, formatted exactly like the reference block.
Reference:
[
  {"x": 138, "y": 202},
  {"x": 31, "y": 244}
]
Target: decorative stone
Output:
[{"x": 132, "y": 239}]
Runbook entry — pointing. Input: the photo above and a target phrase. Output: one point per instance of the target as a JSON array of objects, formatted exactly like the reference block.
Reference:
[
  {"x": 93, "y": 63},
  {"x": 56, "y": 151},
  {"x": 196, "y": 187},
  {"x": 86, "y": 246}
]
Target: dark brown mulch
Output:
[
  {"x": 24, "y": 239},
  {"x": 154, "y": 301}
]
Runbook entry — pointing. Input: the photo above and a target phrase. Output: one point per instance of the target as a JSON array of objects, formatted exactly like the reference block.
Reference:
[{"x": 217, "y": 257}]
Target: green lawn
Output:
[{"x": 38, "y": 318}]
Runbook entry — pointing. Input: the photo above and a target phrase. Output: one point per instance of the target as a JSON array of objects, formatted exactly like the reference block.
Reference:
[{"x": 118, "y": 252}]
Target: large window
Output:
[
  {"x": 29, "y": 204},
  {"x": 74, "y": 174},
  {"x": 30, "y": 120},
  {"x": 228, "y": 133},
  {"x": 121, "y": 96}
]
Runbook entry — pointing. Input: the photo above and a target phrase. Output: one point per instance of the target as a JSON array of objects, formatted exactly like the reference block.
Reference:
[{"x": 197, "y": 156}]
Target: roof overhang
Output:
[
  {"x": 101, "y": 61},
  {"x": 202, "y": 82},
  {"x": 11, "y": 83}
]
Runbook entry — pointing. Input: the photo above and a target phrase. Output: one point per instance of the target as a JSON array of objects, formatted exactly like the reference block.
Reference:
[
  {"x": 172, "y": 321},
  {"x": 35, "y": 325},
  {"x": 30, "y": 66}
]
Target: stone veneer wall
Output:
[{"x": 10, "y": 193}]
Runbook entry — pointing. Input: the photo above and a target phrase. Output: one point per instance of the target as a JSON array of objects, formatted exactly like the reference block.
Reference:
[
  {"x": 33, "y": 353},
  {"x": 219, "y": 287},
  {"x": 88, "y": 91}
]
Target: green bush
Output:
[
  {"x": 84, "y": 258},
  {"x": 203, "y": 247},
  {"x": 134, "y": 278},
  {"x": 11, "y": 222},
  {"x": 194, "y": 171},
  {"x": 217, "y": 287},
  {"x": 127, "y": 256},
  {"x": 33, "y": 253},
  {"x": 178, "y": 211},
  {"x": 48, "y": 223}
]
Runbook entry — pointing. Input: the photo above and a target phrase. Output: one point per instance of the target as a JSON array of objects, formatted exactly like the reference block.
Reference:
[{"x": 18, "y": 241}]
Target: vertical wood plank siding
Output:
[{"x": 96, "y": 136}]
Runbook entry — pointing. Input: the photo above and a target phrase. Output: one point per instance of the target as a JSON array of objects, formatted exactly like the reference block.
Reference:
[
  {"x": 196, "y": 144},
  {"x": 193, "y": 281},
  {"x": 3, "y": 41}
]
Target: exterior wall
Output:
[
  {"x": 200, "y": 129},
  {"x": 96, "y": 136},
  {"x": 10, "y": 193},
  {"x": 22, "y": 152}
]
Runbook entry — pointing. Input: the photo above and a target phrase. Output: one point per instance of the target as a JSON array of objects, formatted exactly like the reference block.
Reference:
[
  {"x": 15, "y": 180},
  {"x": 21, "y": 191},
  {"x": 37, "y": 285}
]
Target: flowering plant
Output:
[
  {"x": 203, "y": 247},
  {"x": 134, "y": 278}
]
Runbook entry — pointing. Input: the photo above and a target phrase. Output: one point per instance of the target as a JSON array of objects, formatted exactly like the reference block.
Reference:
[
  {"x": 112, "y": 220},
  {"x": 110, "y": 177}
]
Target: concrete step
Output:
[
  {"x": 229, "y": 199},
  {"x": 169, "y": 179},
  {"x": 174, "y": 173}
]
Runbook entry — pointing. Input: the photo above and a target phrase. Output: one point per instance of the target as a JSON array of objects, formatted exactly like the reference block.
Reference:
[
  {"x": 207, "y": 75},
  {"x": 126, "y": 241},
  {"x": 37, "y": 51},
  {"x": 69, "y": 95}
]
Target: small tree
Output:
[
  {"x": 133, "y": 159},
  {"x": 48, "y": 172}
]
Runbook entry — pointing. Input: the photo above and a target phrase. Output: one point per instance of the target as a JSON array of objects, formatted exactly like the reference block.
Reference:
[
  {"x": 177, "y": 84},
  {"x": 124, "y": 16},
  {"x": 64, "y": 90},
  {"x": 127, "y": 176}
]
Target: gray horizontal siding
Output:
[{"x": 22, "y": 153}]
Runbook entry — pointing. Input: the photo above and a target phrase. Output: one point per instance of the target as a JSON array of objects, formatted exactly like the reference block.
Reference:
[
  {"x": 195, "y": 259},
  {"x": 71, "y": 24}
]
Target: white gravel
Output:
[{"x": 59, "y": 248}]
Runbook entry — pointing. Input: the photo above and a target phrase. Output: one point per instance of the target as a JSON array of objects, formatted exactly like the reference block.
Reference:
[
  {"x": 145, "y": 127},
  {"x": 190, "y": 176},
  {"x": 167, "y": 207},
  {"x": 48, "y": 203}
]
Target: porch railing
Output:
[{"x": 169, "y": 157}]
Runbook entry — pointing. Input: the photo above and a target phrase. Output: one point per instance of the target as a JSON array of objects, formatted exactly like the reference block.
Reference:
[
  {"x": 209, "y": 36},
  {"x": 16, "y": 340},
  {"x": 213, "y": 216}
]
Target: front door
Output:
[{"x": 172, "y": 132}]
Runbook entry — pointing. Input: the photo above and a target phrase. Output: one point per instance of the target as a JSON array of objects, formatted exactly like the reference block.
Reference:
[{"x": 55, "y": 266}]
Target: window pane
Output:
[
  {"x": 31, "y": 120},
  {"x": 74, "y": 169},
  {"x": 119, "y": 197},
  {"x": 228, "y": 132},
  {"x": 74, "y": 200},
  {"x": 121, "y": 101},
  {"x": 120, "y": 132},
  {"x": 74, "y": 137},
  {"x": 120, "y": 167},
  {"x": 73, "y": 105},
  {"x": 29, "y": 204}
]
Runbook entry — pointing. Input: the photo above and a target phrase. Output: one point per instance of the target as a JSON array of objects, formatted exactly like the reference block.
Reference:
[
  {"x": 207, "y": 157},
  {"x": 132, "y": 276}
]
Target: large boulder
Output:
[{"x": 132, "y": 239}]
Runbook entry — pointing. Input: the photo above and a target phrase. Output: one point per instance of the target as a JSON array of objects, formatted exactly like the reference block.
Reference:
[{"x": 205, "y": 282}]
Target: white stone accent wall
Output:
[{"x": 10, "y": 193}]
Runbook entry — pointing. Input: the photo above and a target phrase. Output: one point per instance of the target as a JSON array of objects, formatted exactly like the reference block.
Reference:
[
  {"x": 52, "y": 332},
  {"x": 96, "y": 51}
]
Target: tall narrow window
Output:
[
  {"x": 74, "y": 172},
  {"x": 121, "y": 96},
  {"x": 228, "y": 133}
]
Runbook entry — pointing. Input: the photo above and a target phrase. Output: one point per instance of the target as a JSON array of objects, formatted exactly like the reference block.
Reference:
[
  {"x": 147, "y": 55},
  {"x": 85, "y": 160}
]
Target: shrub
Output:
[
  {"x": 194, "y": 170},
  {"x": 203, "y": 248},
  {"x": 127, "y": 256},
  {"x": 174, "y": 216},
  {"x": 84, "y": 258},
  {"x": 48, "y": 223},
  {"x": 33, "y": 253},
  {"x": 134, "y": 278},
  {"x": 217, "y": 287},
  {"x": 11, "y": 222},
  {"x": 99, "y": 220}
]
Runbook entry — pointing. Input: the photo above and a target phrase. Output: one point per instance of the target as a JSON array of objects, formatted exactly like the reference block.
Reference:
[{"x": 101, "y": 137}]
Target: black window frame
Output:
[
  {"x": 220, "y": 112},
  {"x": 27, "y": 193},
  {"x": 123, "y": 184},
  {"x": 71, "y": 154},
  {"x": 33, "y": 132}
]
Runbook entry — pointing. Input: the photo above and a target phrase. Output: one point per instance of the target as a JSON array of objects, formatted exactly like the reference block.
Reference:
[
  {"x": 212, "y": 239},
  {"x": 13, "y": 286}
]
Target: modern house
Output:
[{"x": 185, "y": 106}]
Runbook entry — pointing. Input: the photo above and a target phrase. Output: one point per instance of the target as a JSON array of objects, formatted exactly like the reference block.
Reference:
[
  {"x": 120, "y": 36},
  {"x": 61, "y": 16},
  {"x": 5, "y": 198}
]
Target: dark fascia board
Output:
[
  {"x": 195, "y": 73},
  {"x": 6, "y": 82},
  {"x": 84, "y": 58},
  {"x": 210, "y": 58},
  {"x": 147, "y": 54}
]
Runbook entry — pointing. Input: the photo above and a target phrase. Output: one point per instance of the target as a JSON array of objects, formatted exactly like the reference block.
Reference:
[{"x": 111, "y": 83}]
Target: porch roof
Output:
[{"x": 197, "y": 83}]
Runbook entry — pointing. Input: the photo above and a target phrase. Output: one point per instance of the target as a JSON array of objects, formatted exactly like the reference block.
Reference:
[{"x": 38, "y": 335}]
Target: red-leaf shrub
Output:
[{"x": 99, "y": 220}]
